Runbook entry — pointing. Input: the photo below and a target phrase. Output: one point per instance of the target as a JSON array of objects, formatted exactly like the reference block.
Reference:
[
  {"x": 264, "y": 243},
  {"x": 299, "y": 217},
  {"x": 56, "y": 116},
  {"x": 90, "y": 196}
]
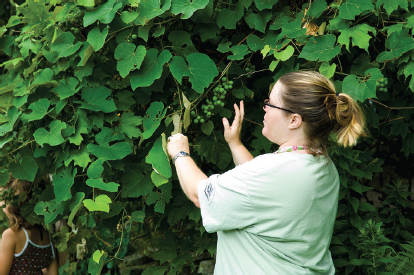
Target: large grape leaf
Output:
[
  {"x": 44, "y": 77},
  {"x": 238, "y": 52},
  {"x": 52, "y": 137},
  {"x": 351, "y": 8},
  {"x": 361, "y": 88},
  {"x": 95, "y": 169},
  {"x": 128, "y": 124},
  {"x": 100, "y": 184},
  {"x": 128, "y": 17},
  {"x": 96, "y": 99},
  {"x": 398, "y": 43},
  {"x": 25, "y": 169},
  {"x": 107, "y": 135},
  {"x": 265, "y": 4},
  {"x": 101, "y": 203},
  {"x": 200, "y": 69},
  {"x": 135, "y": 184},
  {"x": 97, "y": 38},
  {"x": 187, "y": 7},
  {"x": 358, "y": 35},
  {"x": 392, "y": 5},
  {"x": 39, "y": 110},
  {"x": 151, "y": 68},
  {"x": 67, "y": 87},
  {"x": 159, "y": 159},
  {"x": 317, "y": 8},
  {"x": 104, "y": 13},
  {"x": 64, "y": 45},
  {"x": 148, "y": 9},
  {"x": 12, "y": 116},
  {"x": 218, "y": 153},
  {"x": 79, "y": 157},
  {"x": 110, "y": 152},
  {"x": 62, "y": 182},
  {"x": 152, "y": 118},
  {"x": 258, "y": 21},
  {"x": 320, "y": 48},
  {"x": 129, "y": 57},
  {"x": 228, "y": 18}
]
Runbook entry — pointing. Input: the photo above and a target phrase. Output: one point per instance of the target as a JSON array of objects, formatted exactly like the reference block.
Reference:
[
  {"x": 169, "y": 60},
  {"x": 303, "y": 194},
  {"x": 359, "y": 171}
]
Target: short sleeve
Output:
[{"x": 224, "y": 202}]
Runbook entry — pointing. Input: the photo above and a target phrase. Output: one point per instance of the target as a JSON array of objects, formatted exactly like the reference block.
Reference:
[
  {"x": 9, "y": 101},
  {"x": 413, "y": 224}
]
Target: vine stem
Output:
[
  {"x": 391, "y": 120},
  {"x": 391, "y": 108}
]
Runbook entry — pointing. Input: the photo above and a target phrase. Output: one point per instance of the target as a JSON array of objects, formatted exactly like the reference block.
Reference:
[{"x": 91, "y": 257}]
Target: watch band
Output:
[{"x": 180, "y": 154}]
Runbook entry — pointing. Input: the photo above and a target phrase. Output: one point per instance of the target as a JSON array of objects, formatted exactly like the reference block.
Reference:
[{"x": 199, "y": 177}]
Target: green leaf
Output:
[
  {"x": 39, "y": 110},
  {"x": 4, "y": 177},
  {"x": 135, "y": 184},
  {"x": 152, "y": 118},
  {"x": 258, "y": 21},
  {"x": 75, "y": 205},
  {"x": 159, "y": 159},
  {"x": 361, "y": 262},
  {"x": 362, "y": 88},
  {"x": 95, "y": 169},
  {"x": 101, "y": 203},
  {"x": 351, "y": 8},
  {"x": 86, "y": 3},
  {"x": 99, "y": 183},
  {"x": 128, "y": 17},
  {"x": 409, "y": 71},
  {"x": 218, "y": 153},
  {"x": 158, "y": 179},
  {"x": 62, "y": 182},
  {"x": 155, "y": 270},
  {"x": 265, "y": 4},
  {"x": 398, "y": 43},
  {"x": 151, "y": 68},
  {"x": 52, "y": 137},
  {"x": 285, "y": 54},
  {"x": 207, "y": 127},
  {"x": 138, "y": 216},
  {"x": 239, "y": 51},
  {"x": 67, "y": 87},
  {"x": 95, "y": 268},
  {"x": 64, "y": 45},
  {"x": 25, "y": 169},
  {"x": 79, "y": 156},
  {"x": 200, "y": 69},
  {"x": 129, "y": 57},
  {"x": 392, "y": 5},
  {"x": 187, "y": 7},
  {"x": 96, "y": 99},
  {"x": 320, "y": 48},
  {"x": 358, "y": 34},
  {"x": 104, "y": 13},
  {"x": 97, "y": 38},
  {"x": 128, "y": 124},
  {"x": 355, "y": 203},
  {"x": 110, "y": 152},
  {"x": 149, "y": 9},
  {"x": 327, "y": 70},
  {"x": 12, "y": 116},
  {"x": 317, "y": 8},
  {"x": 228, "y": 18},
  {"x": 255, "y": 43}
]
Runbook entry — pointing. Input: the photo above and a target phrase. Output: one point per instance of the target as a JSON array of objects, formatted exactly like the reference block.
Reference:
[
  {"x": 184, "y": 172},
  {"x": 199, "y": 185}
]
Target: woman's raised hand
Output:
[{"x": 232, "y": 133}]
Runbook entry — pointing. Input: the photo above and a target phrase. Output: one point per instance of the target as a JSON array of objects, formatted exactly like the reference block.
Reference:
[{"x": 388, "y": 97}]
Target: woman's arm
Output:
[
  {"x": 188, "y": 173},
  {"x": 232, "y": 135},
  {"x": 7, "y": 248},
  {"x": 52, "y": 269}
]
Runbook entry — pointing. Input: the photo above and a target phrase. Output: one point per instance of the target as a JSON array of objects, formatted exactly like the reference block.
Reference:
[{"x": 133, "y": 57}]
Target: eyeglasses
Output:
[{"x": 266, "y": 102}]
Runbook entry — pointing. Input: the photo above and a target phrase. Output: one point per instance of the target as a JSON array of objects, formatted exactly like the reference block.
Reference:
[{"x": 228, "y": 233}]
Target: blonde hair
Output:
[
  {"x": 314, "y": 98},
  {"x": 18, "y": 187}
]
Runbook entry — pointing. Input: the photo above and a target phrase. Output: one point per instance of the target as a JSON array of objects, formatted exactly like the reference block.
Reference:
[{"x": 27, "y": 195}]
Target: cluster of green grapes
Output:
[
  {"x": 219, "y": 94},
  {"x": 382, "y": 84},
  {"x": 249, "y": 69}
]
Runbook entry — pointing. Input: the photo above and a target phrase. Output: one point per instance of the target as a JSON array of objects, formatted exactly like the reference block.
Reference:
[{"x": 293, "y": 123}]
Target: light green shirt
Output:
[{"x": 273, "y": 215}]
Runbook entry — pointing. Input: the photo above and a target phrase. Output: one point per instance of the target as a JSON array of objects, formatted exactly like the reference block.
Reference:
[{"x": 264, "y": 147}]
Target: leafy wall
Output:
[{"x": 90, "y": 89}]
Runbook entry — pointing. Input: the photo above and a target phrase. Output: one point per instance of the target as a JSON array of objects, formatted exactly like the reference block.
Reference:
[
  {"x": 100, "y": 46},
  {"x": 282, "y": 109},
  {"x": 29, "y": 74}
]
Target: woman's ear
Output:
[{"x": 295, "y": 121}]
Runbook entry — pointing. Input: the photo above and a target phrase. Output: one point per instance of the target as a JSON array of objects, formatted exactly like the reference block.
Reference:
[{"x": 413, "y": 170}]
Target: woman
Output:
[{"x": 274, "y": 214}]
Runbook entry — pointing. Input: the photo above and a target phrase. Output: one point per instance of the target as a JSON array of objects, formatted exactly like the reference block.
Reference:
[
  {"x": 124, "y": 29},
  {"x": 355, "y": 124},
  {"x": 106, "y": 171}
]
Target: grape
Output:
[
  {"x": 230, "y": 87},
  {"x": 216, "y": 89},
  {"x": 198, "y": 117},
  {"x": 247, "y": 69},
  {"x": 193, "y": 113},
  {"x": 212, "y": 107},
  {"x": 208, "y": 113},
  {"x": 224, "y": 78},
  {"x": 222, "y": 104},
  {"x": 195, "y": 120},
  {"x": 218, "y": 102},
  {"x": 334, "y": 6},
  {"x": 386, "y": 81},
  {"x": 381, "y": 80},
  {"x": 377, "y": 84},
  {"x": 231, "y": 82},
  {"x": 226, "y": 87},
  {"x": 222, "y": 96},
  {"x": 252, "y": 67},
  {"x": 205, "y": 111},
  {"x": 134, "y": 36},
  {"x": 214, "y": 98},
  {"x": 202, "y": 120},
  {"x": 221, "y": 90}
]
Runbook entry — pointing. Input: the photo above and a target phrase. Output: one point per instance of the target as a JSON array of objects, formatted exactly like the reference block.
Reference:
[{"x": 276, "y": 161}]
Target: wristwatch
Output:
[{"x": 180, "y": 154}]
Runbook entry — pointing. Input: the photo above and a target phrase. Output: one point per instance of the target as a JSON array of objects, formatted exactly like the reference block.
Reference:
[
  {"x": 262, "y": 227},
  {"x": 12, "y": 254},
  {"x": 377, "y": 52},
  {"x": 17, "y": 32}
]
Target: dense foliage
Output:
[{"x": 91, "y": 88}]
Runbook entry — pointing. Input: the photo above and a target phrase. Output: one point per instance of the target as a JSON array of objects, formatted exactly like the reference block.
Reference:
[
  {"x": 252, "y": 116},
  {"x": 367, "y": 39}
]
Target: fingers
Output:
[
  {"x": 236, "y": 116},
  {"x": 241, "y": 110},
  {"x": 226, "y": 124}
]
